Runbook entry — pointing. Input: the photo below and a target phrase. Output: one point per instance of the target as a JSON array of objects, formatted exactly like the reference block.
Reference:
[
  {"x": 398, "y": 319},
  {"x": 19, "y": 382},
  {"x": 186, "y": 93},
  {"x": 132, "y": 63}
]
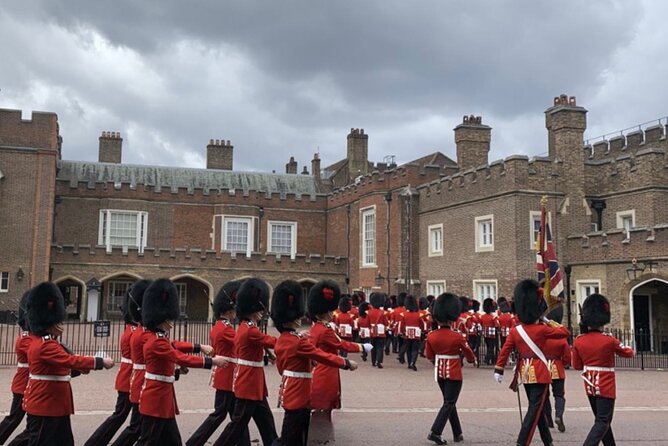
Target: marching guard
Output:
[
  {"x": 363, "y": 326},
  {"x": 410, "y": 327},
  {"x": 490, "y": 325},
  {"x": 345, "y": 321},
  {"x": 249, "y": 386},
  {"x": 295, "y": 355},
  {"x": 16, "y": 412},
  {"x": 378, "y": 323},
  {"x": 533, "y": 369},
  {"x": 444, "y": 348},
  {"x": 157, "y": 404},
  {"x": 594, "y": 353},
  {"x": 222, "y": 339},
  {"x": 48, "y": 395}
]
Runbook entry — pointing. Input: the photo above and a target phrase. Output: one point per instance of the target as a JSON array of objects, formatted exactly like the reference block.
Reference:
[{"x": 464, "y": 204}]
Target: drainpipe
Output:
[
  {"x": 388, "y": 200},
  {"x": 348, "y": 254}
]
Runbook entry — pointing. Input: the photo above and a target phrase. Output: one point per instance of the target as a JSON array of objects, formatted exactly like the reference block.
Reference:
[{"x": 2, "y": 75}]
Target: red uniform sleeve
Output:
[
  {"x": 556, "y": 332},
  {"x": 428, "y": 351},
  {"x": 331, "y": 338},
  {"x": 505, "y": 352},
  {"x": 53, "y": 353},
  {"x": 621, "y": 350},
  {"x": 466, "y": 349},
  {"x": 307, "y": 349},
  {"x": 185, "y": 347},
  {"x": 256, "y": 336},
  {"x": 163, "y": 348},
  {"x": 576, "y": 359},
  {"x": 566, "y": 354}
]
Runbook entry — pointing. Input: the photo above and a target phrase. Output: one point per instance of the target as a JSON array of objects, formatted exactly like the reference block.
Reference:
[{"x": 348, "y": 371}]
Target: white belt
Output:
[
  {"x": 126, "y": 360},
  {"x": 291, "y": 374},
  {"x": 591, "y": 368},
  {"x": 63, "y": 378},
  {"x": 138, "y": 366},
  {"x": 230, "y": 359},
  {"x": 250, "y": 363},
  {"x": 22, "y": 365},
  {"x": 447, "y": 357},
  {"x": 161, "y": 378}
]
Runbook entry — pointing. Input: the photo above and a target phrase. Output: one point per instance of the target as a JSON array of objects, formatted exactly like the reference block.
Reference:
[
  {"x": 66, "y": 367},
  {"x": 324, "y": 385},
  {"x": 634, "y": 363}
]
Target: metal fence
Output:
[{"x": 79, "y": 336}]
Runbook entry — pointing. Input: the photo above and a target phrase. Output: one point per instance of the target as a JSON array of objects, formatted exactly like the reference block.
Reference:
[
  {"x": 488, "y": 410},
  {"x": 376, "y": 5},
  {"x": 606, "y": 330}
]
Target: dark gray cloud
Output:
[{"x": 289, "y": 78}]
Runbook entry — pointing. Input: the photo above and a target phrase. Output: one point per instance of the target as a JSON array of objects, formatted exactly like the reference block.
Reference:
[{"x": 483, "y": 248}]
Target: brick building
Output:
[{"x": 430, "y": 225}]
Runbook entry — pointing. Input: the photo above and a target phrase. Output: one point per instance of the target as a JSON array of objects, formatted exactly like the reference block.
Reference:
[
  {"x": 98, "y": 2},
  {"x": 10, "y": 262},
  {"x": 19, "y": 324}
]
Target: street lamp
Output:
[
  {"x": 379, "y": 279},
  {"x": 638, "y": 268}
]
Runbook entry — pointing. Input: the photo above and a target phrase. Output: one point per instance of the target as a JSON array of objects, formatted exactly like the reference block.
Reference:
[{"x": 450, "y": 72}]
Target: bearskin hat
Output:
[
  {"x": 252, "y": 296},
  {"x": 411, "y": 303},
  {"x": 160, "y": 303},
  {"x": 527, "y": 299},
  {"x": 226, "y": 299},
  {"x": 125, "y": 310},
  {"x": 46, "y": 307},
  {"x": 377, "y": 299},
  {"x": 423, "y": 303},
  {"x": 504, "y": 305},
  {"x": 488, "y": 305},
  {"x": 287, "y": 303},
  {"x": 595, "y": 311},
  {"x": 345, "y": 304},
  {"x": 474, "y": 305},
  {"x": 447, "y": 308},
  {"x": 393, "y": 300},
  {"x": 23, "y": 307},
  {"x": 401, "y": 299},
  {"x": 465, "y": 303},
  {"x": 323, "y": 297},
  {"x": 136, "y": 299},
  {"x": 363, "y": 308}
]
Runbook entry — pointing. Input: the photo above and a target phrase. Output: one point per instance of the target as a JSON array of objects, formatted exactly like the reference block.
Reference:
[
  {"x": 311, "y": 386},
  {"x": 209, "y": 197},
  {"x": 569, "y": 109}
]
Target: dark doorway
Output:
[
  {"x": 72, "y": 292},
  {"x": 641, "y": 322}
]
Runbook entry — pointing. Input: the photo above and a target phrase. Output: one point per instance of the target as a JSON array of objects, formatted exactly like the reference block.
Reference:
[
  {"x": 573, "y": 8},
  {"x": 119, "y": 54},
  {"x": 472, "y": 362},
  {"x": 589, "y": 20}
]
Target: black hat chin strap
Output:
[{"x": 132, "y": 298}]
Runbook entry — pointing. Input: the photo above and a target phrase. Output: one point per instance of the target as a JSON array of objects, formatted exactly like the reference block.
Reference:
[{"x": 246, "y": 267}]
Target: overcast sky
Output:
[{"x": 289, "y": 78}]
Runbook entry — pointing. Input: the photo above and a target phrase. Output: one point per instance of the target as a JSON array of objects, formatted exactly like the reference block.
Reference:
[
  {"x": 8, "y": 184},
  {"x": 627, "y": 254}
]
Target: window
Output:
[
  {"x": 626, "y": 220},
  {"x": 181, "y": 289},
  {"x": 435, "y": 287},
  {"x": 283, "y": 238},
  {"x": 436, "y": 240},
  {"x": 123, "y": 228},
  {"x": 238, "y": 234},
  {"x": 585, "y": 288},
  {"x": 116, "y": 290},
  {"x": 4, "y": 282},
  {"x": 534, "y": 226},
  {"x": 369, "y": 237},
  {"x": 484, "y": 233},
  {"x": 483, "y": 289}
]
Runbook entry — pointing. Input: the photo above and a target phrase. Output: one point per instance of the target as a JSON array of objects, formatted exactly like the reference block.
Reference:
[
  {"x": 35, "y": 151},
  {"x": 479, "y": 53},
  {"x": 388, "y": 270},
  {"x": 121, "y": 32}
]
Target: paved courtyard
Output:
[{"x": 396, "y": 406}]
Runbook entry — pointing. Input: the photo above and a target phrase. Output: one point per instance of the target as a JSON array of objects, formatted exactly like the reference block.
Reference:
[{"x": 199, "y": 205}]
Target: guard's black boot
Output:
[{"x": 436, "y": 438}]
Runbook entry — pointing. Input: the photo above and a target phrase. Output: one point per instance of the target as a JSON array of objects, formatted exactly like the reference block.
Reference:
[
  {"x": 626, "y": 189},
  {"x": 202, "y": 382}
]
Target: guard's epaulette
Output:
[
  {"x": 606, "y": 334},
  {"x": 48, "y": 337},
  {"x": 249, "y": 323},
  {"x": 295, "y": 333},
  {"x": 160, "y": 334},
  {"x": 25, "y": 334},
  {"x": 133, "y": 328},
  {"x": 226, "y": 322}
]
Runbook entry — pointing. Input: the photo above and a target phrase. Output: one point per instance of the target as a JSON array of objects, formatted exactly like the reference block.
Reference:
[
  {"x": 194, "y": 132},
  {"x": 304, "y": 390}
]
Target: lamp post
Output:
[
  {"x": 567, "y": 270},
  {"x": 379, "y": 280}
]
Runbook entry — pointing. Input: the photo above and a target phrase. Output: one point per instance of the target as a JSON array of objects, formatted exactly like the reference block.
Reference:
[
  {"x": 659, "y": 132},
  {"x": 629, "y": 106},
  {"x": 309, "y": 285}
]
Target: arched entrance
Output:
[
  {"x": 307, "y": 284},
  {"x": 195, "y": 296},
  {"x": 648, "y": 303},
  {"x": 112, "y": 296},
  {"x": 73, "y": 291}
]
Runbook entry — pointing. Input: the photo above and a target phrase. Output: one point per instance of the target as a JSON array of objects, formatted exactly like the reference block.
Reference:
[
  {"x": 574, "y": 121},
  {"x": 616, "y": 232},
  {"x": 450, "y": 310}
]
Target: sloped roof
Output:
[
  {"x": 173, "y": 178},
  {"x": 434, "y": 159}
]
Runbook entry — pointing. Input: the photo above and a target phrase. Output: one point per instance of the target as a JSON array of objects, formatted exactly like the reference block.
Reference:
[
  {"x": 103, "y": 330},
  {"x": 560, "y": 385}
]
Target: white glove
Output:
[
  {"x": 498, "y": 377},
  {"x": 367, "y": 347}
]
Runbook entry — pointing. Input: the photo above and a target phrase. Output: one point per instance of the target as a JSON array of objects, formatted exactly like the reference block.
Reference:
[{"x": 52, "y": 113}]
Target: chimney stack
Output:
[
  {"x": 110, "y": 147},
  {"x": 315, "y": 166},
  {"x": 358, "y": 154},
  {"x": 219, "y": 154},
  {"x": 472, "y": 138},
  {"x": 291, "y": 166},
  {"x": 305, "y": 171}
]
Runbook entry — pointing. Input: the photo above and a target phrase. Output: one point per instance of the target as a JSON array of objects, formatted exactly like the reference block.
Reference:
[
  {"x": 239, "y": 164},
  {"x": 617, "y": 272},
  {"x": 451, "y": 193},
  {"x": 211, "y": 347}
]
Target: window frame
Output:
[
  {"x": 104, "y": 229},
  {"x": 293, "y": 237},
  {"x": 251, "y": 232},
  {"x": 480, "y": 282},
  {"x": 4, "y": 277},
  {"x": 108, "y": 298},
  {"x": 432, "y": 229},
  {"x": 579, "y": 286},
  {"x": 431, "y": 283},
  {"x": 364, "y": 213},
  {"x": 183, "y": 298},
  {"x": 533, "y": 234},
  {"x": 623, "y": 215},
  {"x": 479, "y": 221}
]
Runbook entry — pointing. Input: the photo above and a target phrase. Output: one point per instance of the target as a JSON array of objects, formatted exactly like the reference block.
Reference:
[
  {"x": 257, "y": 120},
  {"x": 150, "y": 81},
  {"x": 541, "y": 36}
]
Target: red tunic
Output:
[
  {"x": 157, "y": 395},
  {"x": 21, "y": 347},
  {"x": 344, "y": 325},
  {"x": 411, "y": 325},
  {"x": 222, "y": 340},
  {"x": 125, "y": 368},
  {"x": 594, "y": 351},
  {"x": 44, "y": 396},
  {"x": 451, "y": 344},
  {"x": 364, "y": 327},
  {"x": 532, "y": 369},
  {"x": 490, "y": 323},
  {"x": 393, "y": 320},
  {"x": 559, "y": 353},
  {"x": 326, "y": 391},
  {"x": 295, "y": 353},
  {"x": 137, "y": 339},
  {"x": 378, "y": 322},
  {"x": 506, "y": 323},
  {"x": 249, "y": 345}
]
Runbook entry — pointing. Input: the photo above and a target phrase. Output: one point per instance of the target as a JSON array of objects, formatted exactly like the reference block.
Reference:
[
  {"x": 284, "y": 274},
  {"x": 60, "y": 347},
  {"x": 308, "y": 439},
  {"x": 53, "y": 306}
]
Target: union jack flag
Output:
[{"x": 547, "y": 265}]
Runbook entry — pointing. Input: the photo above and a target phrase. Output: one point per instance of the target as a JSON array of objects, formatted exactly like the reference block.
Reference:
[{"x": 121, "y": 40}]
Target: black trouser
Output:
[
  {"x": 108, "y": 428},
  {"x": 11, "y": 421},
  {"x": 601, "y": 431},
  {"x": 223, "y": 405},
  {"x": 378, "y": 350},
  {"x": 559, "y": 401},
  {"x": 412, "y": 347},
  {"x": 474, "y": 343},
  {"x": 130, "y": 434},
  {"x": 244, "y": 410},
  {"x": 389, "y": 341},
  {"x": 294, "y": 431},
  {"x": 159, "y": 432},
  {"x": 423, "y": 342},
  {"x": 395, "y": 343},
  {"x": 448, "y": 412},
  {"x": 536, "y": 394},
  {"x": 490, "y": 351},
  {"x": 50, "y": 431}
]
